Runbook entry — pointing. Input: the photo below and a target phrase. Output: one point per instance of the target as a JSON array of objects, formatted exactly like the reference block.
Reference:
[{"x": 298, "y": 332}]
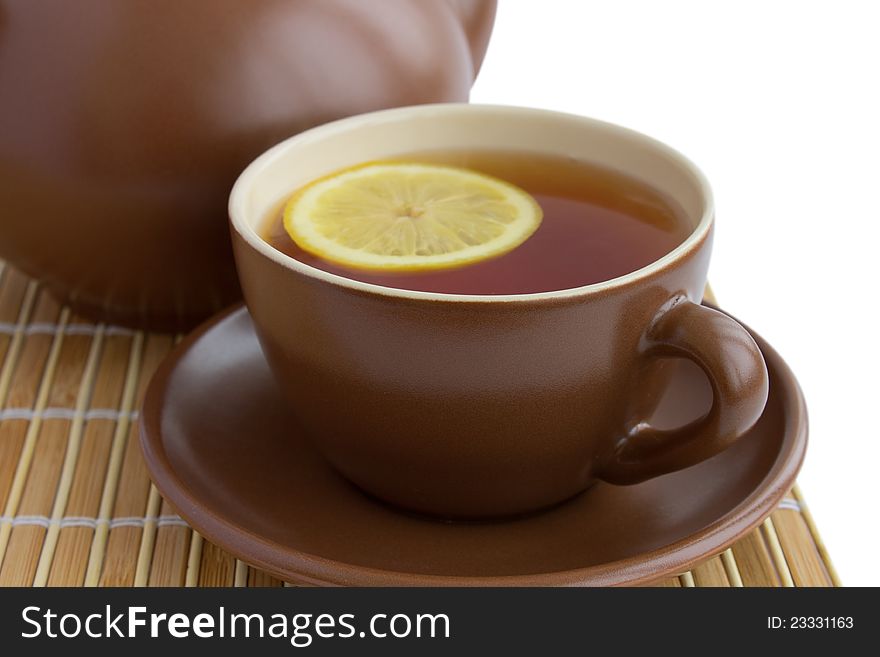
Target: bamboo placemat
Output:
[{"x": 78, "y": 508}]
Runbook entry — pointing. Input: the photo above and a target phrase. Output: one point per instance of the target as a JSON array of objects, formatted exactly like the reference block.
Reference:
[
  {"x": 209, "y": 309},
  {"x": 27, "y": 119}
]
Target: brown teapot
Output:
[{"x": 123, "y": 124}]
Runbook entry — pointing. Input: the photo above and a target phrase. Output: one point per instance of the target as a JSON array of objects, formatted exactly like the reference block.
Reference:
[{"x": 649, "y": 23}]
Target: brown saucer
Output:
[{"x": 221, "y": 447}]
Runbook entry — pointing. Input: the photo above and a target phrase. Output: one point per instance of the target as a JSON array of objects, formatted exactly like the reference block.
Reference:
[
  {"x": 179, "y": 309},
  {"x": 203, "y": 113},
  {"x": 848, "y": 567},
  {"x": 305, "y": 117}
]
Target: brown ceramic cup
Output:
[{"x": 482, "y": 406}]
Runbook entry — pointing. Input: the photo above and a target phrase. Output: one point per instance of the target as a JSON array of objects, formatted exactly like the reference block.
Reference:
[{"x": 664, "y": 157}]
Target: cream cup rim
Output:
[{"x": 245, "y": 228}]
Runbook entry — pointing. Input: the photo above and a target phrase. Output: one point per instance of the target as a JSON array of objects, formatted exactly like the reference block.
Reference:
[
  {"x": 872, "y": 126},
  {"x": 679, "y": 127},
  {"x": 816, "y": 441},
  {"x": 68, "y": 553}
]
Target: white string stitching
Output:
[
  {"x": 83, "y": 521},
  {"x": 56, "y": 413},
  {"x": 49, "y": 328},
  {"x": 171, "y": 520}
]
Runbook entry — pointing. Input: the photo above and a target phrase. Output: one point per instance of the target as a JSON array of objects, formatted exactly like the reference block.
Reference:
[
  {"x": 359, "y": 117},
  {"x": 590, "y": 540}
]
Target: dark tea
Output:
[{"x": 598, "y": 224}]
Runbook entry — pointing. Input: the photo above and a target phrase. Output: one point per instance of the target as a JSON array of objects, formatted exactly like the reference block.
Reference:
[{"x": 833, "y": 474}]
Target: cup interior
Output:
[{"x": 392, "y": 133}]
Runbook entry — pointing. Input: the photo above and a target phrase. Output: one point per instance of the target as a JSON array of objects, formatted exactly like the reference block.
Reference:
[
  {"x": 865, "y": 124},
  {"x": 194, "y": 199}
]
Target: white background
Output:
[{"x": 779, "y": 103}]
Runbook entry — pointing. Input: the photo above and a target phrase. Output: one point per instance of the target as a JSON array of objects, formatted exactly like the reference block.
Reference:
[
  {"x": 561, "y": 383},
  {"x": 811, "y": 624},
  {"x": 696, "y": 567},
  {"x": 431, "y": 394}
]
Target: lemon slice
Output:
[{"x": 398, "y": 216}]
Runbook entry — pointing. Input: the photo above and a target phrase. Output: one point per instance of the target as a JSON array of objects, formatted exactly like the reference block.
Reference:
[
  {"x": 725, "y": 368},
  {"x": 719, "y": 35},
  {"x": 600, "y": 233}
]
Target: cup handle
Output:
[{"x": 732, "y": 362}]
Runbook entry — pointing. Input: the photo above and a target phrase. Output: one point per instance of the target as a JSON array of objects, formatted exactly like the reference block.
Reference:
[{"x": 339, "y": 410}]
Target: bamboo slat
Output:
[
  {"x": 768, "y": 530},
  {"x": 78, "y": 507},
  {"x": 70, "y": 560},
  {"x": 710, "y": 573},
  {"x": 754, "y": 563},
  {"x": 17, "y": 295},
  {"x": 99, "y": 537},
  {"x": 817, "y": 538},
  {"x": 194, "y": 564},
  {"x": 801, "y": 554},
  {"x": 71, "y": 456},
  {"x": 258, "y": 578},
  {"x": 37, "y": 367},
  {"x": 171, "y": 552},
  {"x": 115, "y": 556},
  {"x": 731, "y": 568},
  {"x": 218, "y": 567},
  {"x": 43, "y": 467}
]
